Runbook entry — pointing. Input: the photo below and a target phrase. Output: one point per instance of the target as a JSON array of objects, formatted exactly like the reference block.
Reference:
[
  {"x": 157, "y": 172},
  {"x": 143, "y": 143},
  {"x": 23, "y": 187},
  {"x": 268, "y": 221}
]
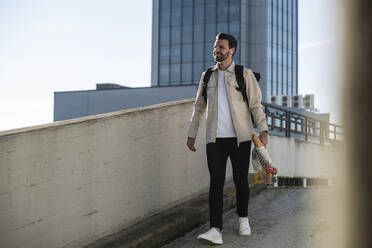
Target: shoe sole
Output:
[{"x": 208, "y": 242}]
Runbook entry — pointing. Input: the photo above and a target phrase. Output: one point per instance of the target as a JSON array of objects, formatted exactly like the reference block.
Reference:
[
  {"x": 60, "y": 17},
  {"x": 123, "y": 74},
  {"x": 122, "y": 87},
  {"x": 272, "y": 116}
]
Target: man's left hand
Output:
[{"x": 264, "y": 138}]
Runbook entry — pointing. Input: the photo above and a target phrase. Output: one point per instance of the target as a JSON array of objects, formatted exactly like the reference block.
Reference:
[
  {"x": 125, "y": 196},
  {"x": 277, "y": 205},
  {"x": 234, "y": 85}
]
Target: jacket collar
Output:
[{"x": 231, "y": 68}]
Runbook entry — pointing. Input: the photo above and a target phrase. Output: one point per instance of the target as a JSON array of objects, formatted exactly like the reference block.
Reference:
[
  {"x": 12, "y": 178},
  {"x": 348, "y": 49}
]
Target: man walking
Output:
[{"x": 229, "y": 132}]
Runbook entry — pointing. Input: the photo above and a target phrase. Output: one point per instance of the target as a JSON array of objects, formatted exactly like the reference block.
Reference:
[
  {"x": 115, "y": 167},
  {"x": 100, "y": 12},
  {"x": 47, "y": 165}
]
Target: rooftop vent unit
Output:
[
  {"x": 275, "y": 100},
  {"x": 287, "y": 101},
  {"x": 309, "y": 101},
  {"x": 297, "y": 101}
]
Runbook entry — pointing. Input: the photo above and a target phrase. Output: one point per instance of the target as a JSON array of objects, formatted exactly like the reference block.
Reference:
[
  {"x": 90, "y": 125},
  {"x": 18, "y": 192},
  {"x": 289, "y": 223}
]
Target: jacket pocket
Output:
[
  {"x": 235, "y": 91},
  {"x": 211, "y": 88},
  {"x": 212, "y": 83},
  {"x": 232, "y": 83}
]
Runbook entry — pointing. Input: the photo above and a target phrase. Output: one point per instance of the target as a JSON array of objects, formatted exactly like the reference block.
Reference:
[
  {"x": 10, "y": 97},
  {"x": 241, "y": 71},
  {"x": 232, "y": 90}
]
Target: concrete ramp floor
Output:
[{"x": 279, "y": 217}]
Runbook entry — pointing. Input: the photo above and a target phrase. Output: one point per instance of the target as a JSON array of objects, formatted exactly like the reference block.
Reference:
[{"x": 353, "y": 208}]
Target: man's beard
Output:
[{"x": 220, "y": 57}]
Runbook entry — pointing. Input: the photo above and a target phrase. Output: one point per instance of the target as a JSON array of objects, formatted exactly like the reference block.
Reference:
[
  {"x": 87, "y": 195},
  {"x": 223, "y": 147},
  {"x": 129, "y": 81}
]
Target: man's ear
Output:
[{"x": 232, "y": 51}]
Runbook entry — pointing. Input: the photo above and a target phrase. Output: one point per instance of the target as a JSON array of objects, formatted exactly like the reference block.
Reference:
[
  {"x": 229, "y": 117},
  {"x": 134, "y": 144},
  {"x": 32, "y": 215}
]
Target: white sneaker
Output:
[
  {"x": 244, "y": 228},
  {"x": 212, "y": 237}
]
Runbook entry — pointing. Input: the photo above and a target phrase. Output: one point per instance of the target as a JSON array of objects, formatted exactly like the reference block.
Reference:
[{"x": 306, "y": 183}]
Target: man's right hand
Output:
[{"x": 190, "y": 144}]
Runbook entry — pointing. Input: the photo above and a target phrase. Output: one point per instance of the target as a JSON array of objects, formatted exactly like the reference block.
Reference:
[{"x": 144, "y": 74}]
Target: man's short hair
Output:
[{"x": 232, "y": 41}]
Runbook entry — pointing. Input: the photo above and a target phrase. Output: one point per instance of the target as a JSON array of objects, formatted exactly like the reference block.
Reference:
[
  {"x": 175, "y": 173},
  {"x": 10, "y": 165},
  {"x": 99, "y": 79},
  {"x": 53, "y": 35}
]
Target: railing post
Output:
[
  {"x": 321, "y": 133},
  {"x": 267, "y": 118},
  {"x": 288, "y": 126},
  {"x": 335, "y": 132},
  {"x": 302, "y": 125},
  {"x": 306, "y": 129}
]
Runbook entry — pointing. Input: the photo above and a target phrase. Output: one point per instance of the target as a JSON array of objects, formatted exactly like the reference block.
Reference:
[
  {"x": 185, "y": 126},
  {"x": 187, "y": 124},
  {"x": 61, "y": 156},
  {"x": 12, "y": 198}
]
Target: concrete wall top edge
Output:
[
  {"x": 133, "y": 88},
  {"x": 92, "y": 117}
]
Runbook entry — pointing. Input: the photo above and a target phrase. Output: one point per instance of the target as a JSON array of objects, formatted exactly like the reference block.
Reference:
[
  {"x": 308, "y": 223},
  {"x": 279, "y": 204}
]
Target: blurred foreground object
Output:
[{"x": 358, "y": 120}]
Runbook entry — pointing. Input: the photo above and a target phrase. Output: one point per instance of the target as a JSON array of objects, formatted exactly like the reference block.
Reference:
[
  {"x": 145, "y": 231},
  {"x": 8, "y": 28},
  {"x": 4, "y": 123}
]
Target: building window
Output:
[
  {"x": 187, "y": 16},
  {"x": 199, "y": 33},
  {"x": 198, "y": 52},
  {"x": 187, "y": 34},
  {"x": 199, "y": 14},
  {"x": 237, "y": 56},
  {"x": 164, "y": 74},
  {"x": 268, "y": 89},
  {"x": 164, "y": 54},
  {"x": 275, "y": 34},
  {"x": 186, "y": 72},
  {"x": 175, "y": 74},
  {"x": 222, "y": 27},
  {"x": 187, "y": 53},
  {"x": 165, "y": 18},
  {"x": 176, "y": 35},
  {"x": 199, "y": 2},
  {"x": 208, "y": 51},
  {"x": 187, "y": 2},
  {"x": 176, "y": 17},
  {"x": 275, "y": 78},
  {"x": 280, "y": 78},
  {"x": 285, "y": 79},
  {"x": 164, "y": 36},
  {"x": 209, "y": 63},
  {"x": 234, "y": 11},
  {"x": 275, "y": 55},
  {"x": 210, "y": 32},
  {"x": 234, "y": 29},
  {"x": 176, "y": 3},
  {"x": 222, "y": 10},
  {"x": 285, "y": 18},
  {"x": 165, "y": 4},
  {"x": 176, "y": 54},
  {"x": 268, "y": 75},
  {"x": 280, "y": 4},
  {"x": 280, "y": 56},
  {"x": 210, "y": 15},
  {"x": 197, "y": 71},
  {"x": 269, "y": 34}
]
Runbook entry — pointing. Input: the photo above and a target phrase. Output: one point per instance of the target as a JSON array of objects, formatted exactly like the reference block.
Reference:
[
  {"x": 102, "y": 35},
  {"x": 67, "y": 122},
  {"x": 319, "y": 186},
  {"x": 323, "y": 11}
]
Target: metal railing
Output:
[{"x": 291, "y": 124}]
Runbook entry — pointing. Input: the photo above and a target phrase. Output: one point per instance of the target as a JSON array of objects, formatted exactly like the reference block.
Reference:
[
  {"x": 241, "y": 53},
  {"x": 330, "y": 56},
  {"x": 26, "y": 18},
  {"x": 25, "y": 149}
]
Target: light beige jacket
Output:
[{"x": 241, "y": 117}]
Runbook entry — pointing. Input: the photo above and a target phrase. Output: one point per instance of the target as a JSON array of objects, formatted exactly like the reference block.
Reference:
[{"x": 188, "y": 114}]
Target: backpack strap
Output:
[
  {"x": 257, "y": 76},
  {"x": 242, "y": 86},
  {"x": 240, "y": 80},
  {"x": 206, "y": 78},
  {"x": 241, "y": 83}
]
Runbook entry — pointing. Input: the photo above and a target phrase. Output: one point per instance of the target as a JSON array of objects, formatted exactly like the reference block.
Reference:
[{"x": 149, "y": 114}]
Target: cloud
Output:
[{"x": 316, "y": 43}]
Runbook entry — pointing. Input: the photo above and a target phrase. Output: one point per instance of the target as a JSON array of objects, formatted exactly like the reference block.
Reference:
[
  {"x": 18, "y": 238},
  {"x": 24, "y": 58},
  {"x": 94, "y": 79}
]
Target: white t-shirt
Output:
[{"x": 225, "y": 126}]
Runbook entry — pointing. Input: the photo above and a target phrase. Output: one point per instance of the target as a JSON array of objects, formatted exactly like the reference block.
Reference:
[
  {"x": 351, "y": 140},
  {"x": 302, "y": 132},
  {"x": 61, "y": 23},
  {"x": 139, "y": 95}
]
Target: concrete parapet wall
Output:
[
  {"x": 68, "y": 183},
  {"x": 296, "y": 158}
]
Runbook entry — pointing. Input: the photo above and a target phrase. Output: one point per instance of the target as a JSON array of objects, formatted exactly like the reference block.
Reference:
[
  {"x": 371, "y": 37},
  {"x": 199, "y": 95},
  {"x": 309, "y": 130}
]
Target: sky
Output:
[
  {"x": 65, "y": 45},
  {"x": 320, "y": 54}
]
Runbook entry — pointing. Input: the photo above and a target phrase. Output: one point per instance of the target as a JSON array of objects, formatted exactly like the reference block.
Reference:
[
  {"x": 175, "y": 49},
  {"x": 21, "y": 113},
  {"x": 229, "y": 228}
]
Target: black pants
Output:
[{"x": 217, "y": 154}]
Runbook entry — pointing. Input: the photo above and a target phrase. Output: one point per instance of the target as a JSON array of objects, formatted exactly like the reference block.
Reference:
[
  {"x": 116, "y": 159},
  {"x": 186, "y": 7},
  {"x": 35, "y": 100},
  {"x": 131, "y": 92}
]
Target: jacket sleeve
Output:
[
  {"x": 254, "y": 98},
  {"x": 198, "y": 111}
]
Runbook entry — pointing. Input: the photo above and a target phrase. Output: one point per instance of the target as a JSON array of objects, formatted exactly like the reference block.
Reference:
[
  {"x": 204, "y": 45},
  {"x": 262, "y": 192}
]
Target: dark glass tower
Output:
[{"x": 266, "y": 30}]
